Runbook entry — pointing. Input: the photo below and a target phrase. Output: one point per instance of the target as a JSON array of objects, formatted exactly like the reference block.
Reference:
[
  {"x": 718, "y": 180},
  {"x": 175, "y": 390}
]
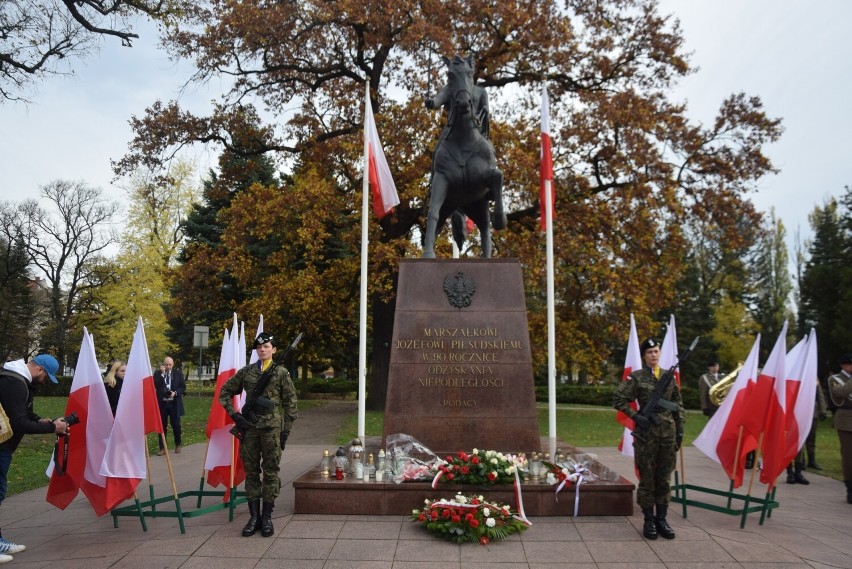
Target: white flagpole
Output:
[
  {"x": 362, "y": 324},
  {"x": 551, "y": 322},
  {"x": 551, "y": 312}
]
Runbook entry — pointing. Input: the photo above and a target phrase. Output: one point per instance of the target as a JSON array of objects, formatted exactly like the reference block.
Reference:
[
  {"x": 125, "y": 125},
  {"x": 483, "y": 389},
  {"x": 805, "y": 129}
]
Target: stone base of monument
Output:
[{"x": 609, "y": 495}]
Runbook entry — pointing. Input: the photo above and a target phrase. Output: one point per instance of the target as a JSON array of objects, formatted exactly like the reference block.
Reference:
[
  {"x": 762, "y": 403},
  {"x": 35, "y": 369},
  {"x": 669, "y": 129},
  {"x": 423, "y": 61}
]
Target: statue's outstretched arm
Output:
[{"x": 440, "y": 100}]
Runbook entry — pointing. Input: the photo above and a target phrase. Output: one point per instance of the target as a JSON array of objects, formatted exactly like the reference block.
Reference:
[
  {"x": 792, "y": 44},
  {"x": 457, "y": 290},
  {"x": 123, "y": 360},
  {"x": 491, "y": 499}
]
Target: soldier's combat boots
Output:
[
  {"x": 254, "y": 518},
  {"x": 649, "y": 530},
  {"x": 849, "y": 491},
  {"x": 663, "y": 527},
  {"x": 266, "y": 528}
]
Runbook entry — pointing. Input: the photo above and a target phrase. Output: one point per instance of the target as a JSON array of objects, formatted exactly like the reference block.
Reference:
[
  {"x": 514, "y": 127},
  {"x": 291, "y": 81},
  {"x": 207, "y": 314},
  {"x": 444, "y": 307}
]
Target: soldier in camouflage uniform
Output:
[
  {"x": 261, "y": 445},
  {"x": 656, "y": 456}
]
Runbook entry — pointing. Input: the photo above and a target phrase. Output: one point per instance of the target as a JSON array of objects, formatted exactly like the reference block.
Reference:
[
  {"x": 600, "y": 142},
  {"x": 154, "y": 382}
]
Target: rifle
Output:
[
  {"x": 656, "y": 402},
  {"x": 255, "y": 400}
]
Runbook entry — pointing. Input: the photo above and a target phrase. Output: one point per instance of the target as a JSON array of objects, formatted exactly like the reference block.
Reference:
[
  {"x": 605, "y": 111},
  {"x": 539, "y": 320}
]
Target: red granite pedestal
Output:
[
  {"x": 609, "y": 495},
  {"x": 461, "y": 372}
]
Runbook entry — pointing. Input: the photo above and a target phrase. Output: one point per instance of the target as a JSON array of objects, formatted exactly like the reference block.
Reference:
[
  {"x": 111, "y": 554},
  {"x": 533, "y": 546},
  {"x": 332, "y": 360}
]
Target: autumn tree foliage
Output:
[{"x": 633, "y": 172}]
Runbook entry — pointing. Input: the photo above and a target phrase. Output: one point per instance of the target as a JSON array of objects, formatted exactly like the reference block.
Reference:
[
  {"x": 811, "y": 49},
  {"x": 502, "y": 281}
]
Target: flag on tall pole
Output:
[
  {"x": 800, "y": 398},
  {"x": 137, "y": 415},
  {"x": 86, "y": 441},
  {"x": 632, "y": 362},
  {"x": 547, "y": 221},
  {"x": 722, "y": 438},
  {"x": 376, "y": 175},
  {"x": 778, "y": 426},
  {"x": 764, "y": 403},
  {"x": 546, "y": 192},
  {"x": 668, "y": 351},
  {"x": 223, "y": 449},
  {"x": 377, "y": 171}
]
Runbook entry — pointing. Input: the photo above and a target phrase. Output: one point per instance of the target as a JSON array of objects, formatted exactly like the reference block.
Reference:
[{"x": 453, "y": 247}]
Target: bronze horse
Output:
[{"x": 464, "y": 174}]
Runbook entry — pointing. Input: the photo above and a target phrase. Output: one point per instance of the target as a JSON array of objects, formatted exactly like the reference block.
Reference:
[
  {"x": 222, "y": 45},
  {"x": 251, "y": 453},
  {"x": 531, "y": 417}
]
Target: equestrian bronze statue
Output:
[{"x": 465, "y": 177}]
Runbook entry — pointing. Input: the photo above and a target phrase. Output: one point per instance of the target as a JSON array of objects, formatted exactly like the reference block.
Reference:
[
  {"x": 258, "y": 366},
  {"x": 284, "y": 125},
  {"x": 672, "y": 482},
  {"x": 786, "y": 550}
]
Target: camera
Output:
[{"x": 71, "y": 419}]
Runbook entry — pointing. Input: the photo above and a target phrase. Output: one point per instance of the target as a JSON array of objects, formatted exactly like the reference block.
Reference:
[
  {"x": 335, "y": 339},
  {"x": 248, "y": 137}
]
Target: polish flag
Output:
[
  {"x": 718, "y": 440},
  {"x": 632, "y": 362},
  {"x": 87, "y": 440},
  {"x": 223, "y": 449},
  {"x": 382, "y": 187},
  {"x": 668, "y": 351},
  {"x": 546, "y": 173},
  {"x": 765, "y": 409},
  {"x": 800, "y": 398},
  {"x": 137, "y": 414}
]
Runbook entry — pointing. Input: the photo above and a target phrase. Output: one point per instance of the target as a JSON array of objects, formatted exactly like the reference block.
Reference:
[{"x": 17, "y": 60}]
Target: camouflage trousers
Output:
[
  {"x": 260, "y": 451},
  {"x": 656, "y": 459}
]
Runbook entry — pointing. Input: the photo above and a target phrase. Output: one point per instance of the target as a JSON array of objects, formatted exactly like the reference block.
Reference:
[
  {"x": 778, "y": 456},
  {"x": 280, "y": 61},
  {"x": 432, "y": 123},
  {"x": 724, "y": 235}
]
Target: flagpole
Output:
[
  {"x": 551, "y": 321},
  {"x": 362, "y": 324}
]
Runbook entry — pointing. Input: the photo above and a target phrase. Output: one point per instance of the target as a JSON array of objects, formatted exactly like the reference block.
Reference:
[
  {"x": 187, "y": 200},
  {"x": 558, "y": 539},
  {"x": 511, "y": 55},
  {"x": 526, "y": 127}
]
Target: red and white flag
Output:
[
  {"x": 765, "y": 410},
  {"x": 223, "y": 448},
  {"x": 668, "y": 351},
  {"x": 801, "y": 394},
  {"x": 137, "y": 414},
  {"x": 632, "y": 362},
  {"x": 720, "y": 436},
  {"x": 546, "y": 174},
  {"x": 253, "y": 357},
  {"x": 87, "y": 440},
  {"x": 382, "y": 186}
]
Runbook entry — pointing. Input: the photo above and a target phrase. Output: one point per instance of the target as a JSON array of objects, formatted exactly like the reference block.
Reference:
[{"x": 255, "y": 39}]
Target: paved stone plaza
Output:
[{"x": 812, "y": 528}]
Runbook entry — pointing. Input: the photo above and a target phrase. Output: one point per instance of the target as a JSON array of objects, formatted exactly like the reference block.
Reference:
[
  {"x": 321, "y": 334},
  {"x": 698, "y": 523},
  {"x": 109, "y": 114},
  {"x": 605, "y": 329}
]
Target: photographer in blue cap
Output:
[{"x": 17, "y": 381}]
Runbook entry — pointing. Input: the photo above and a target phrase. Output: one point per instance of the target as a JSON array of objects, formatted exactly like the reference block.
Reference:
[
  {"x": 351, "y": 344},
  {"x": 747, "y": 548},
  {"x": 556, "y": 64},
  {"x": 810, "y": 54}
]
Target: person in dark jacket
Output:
[
  {"x": 170, "y": 387},
  {"x": 113, "y": 380},
  {"x": 17, "y": 381}
]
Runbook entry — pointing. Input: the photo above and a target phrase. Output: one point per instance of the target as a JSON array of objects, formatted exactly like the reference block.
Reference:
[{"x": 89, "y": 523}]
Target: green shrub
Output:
[
  {"x": 333, "y": 385},
  {"x": 601, "y": 395}
]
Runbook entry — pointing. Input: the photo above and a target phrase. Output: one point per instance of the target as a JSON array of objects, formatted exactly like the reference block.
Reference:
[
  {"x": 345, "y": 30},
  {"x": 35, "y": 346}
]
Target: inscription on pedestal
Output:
[{"x": 461, "y": 367}]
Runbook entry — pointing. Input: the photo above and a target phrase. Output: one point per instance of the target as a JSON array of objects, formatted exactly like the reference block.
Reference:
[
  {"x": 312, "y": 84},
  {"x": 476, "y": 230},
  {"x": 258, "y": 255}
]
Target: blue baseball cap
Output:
[{"x": 50, "y": 365}]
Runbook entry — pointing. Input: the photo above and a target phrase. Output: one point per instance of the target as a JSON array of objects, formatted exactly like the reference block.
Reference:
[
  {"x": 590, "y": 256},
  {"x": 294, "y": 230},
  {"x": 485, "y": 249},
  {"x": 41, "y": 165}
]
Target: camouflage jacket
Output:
[
  {"x": 280, "y": 390},
  {"x": 639, "y": 386}
]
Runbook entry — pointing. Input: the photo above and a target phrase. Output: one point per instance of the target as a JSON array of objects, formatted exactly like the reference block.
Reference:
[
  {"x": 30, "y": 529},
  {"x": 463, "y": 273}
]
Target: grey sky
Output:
[{"x": 790, "y": 53}]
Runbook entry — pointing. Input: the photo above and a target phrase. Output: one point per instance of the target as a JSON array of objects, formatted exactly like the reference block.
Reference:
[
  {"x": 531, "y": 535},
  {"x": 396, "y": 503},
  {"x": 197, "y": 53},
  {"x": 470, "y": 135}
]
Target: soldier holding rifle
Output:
[
  {"x": 262, "y": 425},
  {"x": 657, "y": 436},
  {"x": 840, "y": 391}
]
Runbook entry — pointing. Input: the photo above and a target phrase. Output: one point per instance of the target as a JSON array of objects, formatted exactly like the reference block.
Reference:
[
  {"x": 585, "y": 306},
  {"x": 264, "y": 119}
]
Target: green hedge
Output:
[
  {"x": 601, "y": 395},
  {"x": 334, "y": 385}
]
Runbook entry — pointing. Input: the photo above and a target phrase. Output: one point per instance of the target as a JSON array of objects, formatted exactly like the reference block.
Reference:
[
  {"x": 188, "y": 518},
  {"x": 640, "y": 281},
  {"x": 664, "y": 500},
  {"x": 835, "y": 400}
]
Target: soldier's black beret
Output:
[
  {"x": 846, "y": 359},
  {"x": 265, "y": 337},
  {"x": 712, "y": 362},
  {"x": 648, "y": 344}
]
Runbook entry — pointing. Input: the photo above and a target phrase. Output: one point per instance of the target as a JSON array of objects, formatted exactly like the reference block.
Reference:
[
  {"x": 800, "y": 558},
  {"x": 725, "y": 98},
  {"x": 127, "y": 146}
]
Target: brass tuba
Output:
[{"x": 723, "y": 386}]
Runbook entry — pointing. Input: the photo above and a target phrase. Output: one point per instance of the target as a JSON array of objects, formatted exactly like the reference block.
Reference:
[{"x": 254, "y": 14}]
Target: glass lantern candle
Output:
[
  {"x": 341, "y": 463},
  {"x": 535, "y": 467},
  {"x": 357, "y": 466},
  {"x": 380, "y": 466},
  {"x": 325, "y": 464},
  {"x": 355, "y": 448}
]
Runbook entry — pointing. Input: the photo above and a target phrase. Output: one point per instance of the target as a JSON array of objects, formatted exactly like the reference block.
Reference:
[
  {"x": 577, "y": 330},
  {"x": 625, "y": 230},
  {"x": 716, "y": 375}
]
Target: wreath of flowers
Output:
[
  {"x": 468, "y": 519},
  {"x": 479, "y": 467}
]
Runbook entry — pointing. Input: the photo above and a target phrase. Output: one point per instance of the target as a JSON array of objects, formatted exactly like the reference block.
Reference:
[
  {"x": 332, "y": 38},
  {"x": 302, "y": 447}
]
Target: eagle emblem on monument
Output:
[{"x": 459, "y": 289}]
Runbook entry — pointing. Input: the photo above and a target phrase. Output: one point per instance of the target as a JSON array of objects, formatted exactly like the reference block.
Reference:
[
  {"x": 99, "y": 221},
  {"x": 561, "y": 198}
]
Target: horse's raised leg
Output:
[
  {"x": 495, "y": 186},
  {"x": 438, "y": 193}
]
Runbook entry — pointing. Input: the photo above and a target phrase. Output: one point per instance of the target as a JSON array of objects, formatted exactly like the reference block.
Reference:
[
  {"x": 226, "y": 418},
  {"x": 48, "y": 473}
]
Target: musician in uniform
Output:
[
  {"x": 262, "y": 441},
  {"x": 840, "y": 391},
  {"x": 705, "y": 382},
  {"x": 656, "y": 455}
]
